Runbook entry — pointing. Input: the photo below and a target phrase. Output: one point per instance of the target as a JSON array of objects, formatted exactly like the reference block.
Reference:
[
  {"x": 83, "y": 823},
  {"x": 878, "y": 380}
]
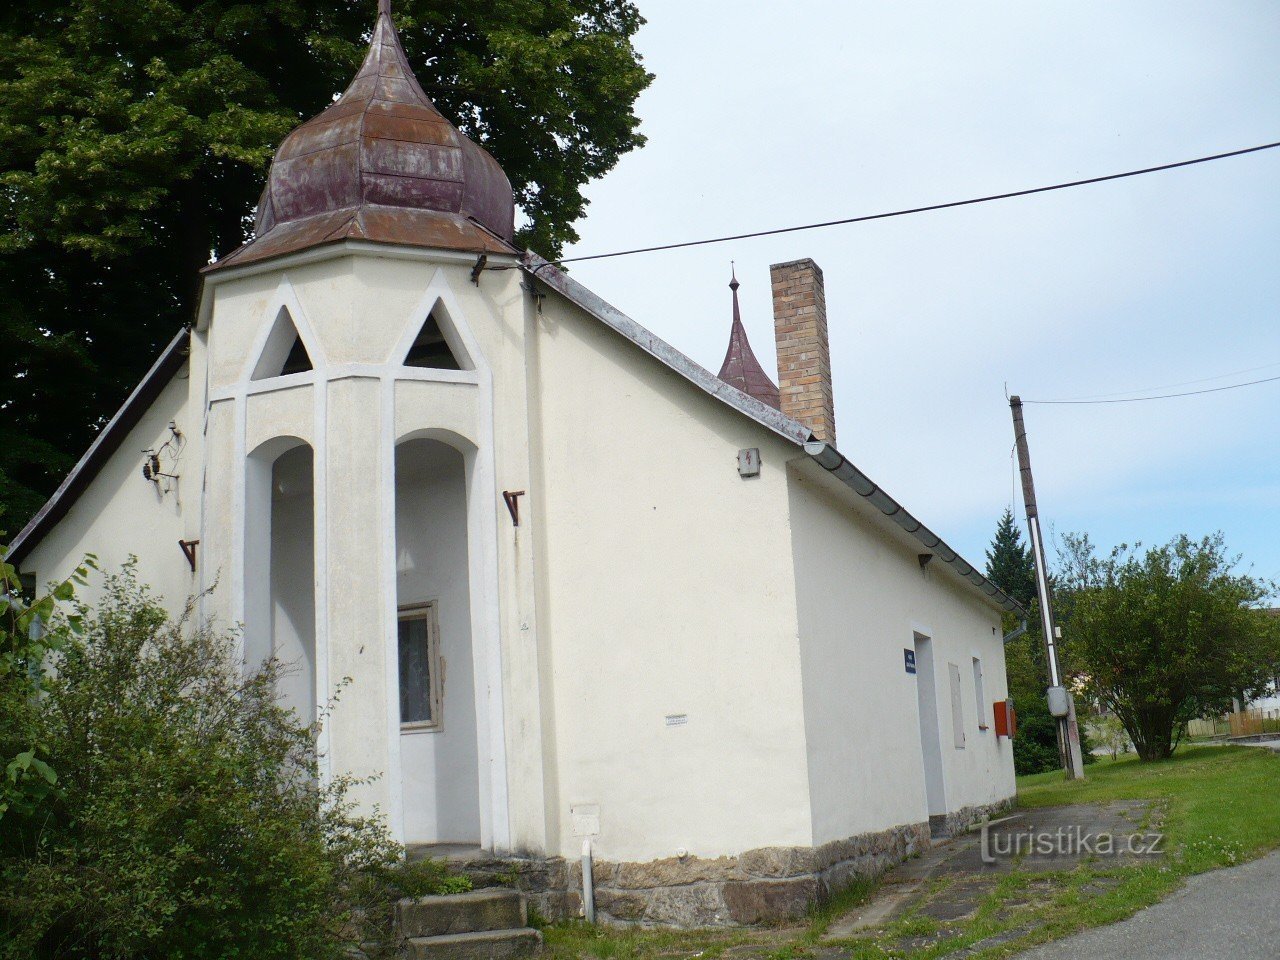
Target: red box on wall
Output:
[{"x": 1006, "y": 718}]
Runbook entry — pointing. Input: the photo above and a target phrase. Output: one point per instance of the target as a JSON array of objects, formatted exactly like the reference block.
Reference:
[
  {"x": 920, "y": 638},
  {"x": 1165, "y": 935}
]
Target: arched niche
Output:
[
  {"x": 439, "y": 736},
  {"x": 279, "y": 567}
]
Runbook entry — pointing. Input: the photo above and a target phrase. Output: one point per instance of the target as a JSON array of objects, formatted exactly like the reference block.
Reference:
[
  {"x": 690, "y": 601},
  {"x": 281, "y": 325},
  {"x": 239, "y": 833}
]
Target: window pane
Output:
[{"x": 415, "y": 672}]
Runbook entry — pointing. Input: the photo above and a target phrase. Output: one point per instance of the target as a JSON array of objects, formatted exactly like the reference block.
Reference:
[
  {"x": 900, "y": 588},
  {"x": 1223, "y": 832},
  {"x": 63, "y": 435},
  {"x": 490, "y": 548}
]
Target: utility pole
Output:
[{"x": 1061, "y": 704}]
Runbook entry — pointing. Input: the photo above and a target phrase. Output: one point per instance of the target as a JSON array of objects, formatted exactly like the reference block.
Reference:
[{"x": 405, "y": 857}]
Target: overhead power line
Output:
[
  {"x": 1165, "y": 396},
  {"x": 1180, "y": 383},
  {"x": 925, "y": 209}
]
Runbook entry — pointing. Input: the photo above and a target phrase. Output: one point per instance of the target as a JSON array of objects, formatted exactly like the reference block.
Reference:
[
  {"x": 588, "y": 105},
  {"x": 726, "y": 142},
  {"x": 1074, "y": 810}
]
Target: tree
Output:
[
  {"x": 135, "y": 136},
  {"x": 178, "y": 809},
  {"x": 1168, "y": 635},
  {"x": 1010, "y": 565},
  {"x": 29, "y": 636}
]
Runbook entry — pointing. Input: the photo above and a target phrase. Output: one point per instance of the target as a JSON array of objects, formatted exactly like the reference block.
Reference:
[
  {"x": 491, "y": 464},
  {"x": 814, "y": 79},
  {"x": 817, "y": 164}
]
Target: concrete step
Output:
[
  {"x": 477, "y": 911},
  {"x": 484, "y": 945}
]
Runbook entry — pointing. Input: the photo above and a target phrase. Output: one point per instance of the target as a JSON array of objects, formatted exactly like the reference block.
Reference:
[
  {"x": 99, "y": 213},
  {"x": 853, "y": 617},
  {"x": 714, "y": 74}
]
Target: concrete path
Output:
[
  {"x": 1228, "y": 913},
  {"x": 972, "y": 864}
]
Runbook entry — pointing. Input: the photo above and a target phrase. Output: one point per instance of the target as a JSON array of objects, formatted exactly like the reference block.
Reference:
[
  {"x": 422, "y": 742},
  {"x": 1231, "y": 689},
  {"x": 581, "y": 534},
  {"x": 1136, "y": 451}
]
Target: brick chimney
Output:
[{"x": 804, "y": 355}]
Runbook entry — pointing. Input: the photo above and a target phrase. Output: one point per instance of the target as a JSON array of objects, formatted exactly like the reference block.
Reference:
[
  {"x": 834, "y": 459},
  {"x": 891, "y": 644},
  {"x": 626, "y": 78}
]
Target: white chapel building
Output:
[{"x": 578, "y": 588}]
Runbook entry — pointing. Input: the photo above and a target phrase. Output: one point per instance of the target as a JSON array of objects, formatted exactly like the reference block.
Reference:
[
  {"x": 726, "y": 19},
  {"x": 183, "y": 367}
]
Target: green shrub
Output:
[{"x": 188, "y": 818}]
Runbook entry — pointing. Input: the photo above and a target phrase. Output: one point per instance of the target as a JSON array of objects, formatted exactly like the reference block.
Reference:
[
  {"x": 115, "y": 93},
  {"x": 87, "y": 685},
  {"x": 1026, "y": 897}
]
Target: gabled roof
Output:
[
  {"x": 826, "y": 456},
  {"x": 104, "y": 445}
]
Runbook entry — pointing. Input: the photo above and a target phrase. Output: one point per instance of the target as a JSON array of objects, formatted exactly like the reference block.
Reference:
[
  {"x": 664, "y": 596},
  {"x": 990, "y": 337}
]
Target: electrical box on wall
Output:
[{"x": 1006, "y": 718}]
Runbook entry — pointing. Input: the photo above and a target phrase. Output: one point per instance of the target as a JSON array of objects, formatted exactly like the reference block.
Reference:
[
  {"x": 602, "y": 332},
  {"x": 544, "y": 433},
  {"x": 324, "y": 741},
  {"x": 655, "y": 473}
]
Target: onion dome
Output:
[
  {"x": 382, "y": 164},
  {"x": 741, "y": 369}
]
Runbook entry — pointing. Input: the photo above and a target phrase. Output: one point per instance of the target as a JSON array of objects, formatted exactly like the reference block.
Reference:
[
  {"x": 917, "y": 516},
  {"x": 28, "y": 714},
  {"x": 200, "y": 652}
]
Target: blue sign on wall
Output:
[{"x": 910, "y": 657}]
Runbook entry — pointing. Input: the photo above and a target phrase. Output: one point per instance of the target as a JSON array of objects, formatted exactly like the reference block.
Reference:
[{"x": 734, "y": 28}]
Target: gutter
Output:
[{"x": 834, "y": 462}]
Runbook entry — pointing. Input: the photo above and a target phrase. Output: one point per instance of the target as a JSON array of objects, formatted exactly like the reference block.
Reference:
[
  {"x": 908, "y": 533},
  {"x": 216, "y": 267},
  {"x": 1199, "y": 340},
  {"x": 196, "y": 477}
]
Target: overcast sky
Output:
[{"x": 771, "y": 115}]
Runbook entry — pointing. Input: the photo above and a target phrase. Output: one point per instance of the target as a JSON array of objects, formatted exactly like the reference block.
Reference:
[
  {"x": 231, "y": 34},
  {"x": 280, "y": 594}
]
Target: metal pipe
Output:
[
  {"x": 1046, "y": 611},
  {"x": 588, "y": 884},
  {"x": 1013, "y": 635}
]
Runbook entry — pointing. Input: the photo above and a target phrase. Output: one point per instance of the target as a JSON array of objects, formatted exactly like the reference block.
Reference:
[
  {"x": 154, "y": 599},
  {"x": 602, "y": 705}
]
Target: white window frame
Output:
[{"x": 435, "y": 665}]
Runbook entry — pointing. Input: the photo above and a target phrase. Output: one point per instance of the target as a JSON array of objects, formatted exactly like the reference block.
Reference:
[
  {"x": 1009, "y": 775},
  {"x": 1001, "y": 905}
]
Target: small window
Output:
[
  {"x": 420, "y": 667},
  {"x": 431, "y": 348},
  {"x": 298, "y": 360},
  {"x": 979, "y": 695},
  {"x": 284, "y": 352}
]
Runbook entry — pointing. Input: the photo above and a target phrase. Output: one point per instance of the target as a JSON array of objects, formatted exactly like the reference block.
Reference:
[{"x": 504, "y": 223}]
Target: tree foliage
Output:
[
  {"x": 29, "y": 637},
  {"x": 184, "y": 814},
  {"x": 135, "y": 136},
  {"x": 1166, "y": 635},
  {"x": 1010, "y": 565}
]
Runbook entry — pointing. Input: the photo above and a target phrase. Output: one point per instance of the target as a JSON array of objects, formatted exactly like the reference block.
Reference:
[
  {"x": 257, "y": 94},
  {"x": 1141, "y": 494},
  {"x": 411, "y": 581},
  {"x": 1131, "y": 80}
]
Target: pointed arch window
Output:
[
  {"x": 437, "y": 345},
  {"x": 284, "y": 352}
]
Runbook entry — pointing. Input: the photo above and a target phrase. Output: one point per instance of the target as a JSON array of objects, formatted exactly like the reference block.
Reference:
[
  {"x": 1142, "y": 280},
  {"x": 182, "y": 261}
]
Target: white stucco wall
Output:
[
  {"x": 122, "y": 514},
  {"x": 665, "y": 592},
  {"x": 862, "y": 597},
  {"x": 440, "y": 778},
  {"x": 697, "y": 661}
]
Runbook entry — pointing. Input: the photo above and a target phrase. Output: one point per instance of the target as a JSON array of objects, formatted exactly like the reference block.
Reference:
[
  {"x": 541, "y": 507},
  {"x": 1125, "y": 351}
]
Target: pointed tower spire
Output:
[
  {"x": 384, "y": 8},
  {"x": 741, "y": 369}
]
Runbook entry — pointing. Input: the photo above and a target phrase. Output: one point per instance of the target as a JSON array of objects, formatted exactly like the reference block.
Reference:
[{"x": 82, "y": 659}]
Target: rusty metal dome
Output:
[{"x": 382, "y": 164}]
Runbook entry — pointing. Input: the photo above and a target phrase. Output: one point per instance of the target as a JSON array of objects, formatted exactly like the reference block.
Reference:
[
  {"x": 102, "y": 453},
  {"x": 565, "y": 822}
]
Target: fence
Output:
[{"x": 1245, "y": 723}]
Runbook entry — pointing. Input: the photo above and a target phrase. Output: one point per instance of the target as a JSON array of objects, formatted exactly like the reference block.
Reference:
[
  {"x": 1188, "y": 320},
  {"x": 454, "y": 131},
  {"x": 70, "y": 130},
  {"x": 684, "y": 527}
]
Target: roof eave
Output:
[
  {"x": 834, "y": 462},
  {"x": 104, "y": 445},
  {"x": 552, "y": 276},
  {"x": 826, "y": 455}
]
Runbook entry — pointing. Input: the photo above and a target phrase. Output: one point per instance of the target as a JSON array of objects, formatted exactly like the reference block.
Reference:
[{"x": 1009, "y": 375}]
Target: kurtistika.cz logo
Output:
[{"x": 1073, "y": 841}]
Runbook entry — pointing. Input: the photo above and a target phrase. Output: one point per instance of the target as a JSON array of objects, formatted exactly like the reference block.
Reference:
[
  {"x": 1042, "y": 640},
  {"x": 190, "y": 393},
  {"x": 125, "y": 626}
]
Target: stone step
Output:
[
  {"x": 484, "y": 945},
  {"x": 476, "y": 911}
]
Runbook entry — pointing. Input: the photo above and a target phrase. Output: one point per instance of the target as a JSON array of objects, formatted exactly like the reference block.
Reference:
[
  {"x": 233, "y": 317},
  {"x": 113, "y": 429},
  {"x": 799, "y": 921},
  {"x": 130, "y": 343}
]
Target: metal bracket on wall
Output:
[
  {"x": 479, "y": 268},
  {"x": 512, "y": 499},
  {"x": 189, "y": 551}
]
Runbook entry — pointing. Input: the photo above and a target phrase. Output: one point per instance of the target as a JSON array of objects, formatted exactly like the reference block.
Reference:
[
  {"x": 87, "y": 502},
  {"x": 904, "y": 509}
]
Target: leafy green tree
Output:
[
  {"x": 178, "y": 810},
  {"x": 30, "y": 634},
  {"x": 135, "y": 136},
  {"x": 1168, "y": 635}
]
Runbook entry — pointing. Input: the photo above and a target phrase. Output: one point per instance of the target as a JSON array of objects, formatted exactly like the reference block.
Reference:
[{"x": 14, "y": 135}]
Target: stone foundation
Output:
[
  {"x": 961, "y": 820},
  {"x": 767, "y": 885}
]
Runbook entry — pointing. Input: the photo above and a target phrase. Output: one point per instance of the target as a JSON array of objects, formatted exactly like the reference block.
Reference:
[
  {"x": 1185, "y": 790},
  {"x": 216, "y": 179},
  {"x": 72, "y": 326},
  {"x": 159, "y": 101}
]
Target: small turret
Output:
[
  {"x": 382, "y": 164},
  {"x": 741, "y": 369}
]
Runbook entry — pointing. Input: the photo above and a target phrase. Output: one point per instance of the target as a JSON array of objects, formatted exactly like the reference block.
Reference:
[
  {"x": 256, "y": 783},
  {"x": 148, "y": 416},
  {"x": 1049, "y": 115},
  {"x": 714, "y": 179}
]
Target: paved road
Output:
[{"x": 1228, "y": 913}]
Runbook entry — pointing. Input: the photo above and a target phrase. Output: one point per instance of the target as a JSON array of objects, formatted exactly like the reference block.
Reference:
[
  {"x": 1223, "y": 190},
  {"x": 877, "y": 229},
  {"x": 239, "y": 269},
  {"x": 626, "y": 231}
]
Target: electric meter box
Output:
[{"x": 1059, "y": 701}]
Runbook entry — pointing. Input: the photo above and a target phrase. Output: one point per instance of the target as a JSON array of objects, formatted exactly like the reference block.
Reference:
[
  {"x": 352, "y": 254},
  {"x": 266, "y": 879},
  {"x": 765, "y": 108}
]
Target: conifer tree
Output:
[{"x": 1010, "y": 565}]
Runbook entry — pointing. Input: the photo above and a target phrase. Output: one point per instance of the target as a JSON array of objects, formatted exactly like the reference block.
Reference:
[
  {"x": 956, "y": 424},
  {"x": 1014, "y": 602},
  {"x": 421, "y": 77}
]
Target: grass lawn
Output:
[{"x": 1218, "y": 806}]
